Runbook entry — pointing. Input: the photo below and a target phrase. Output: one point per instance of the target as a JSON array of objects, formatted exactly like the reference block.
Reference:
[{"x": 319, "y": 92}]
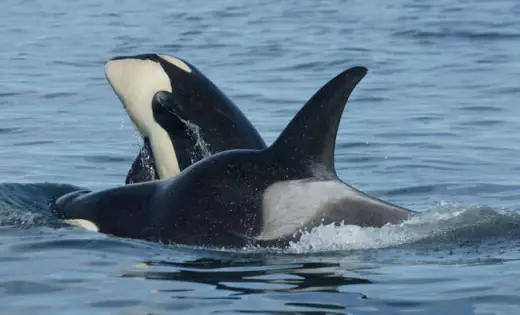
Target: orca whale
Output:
[
  {"x": 191, "y": 108},
  {"x": 240, "y": 197}
]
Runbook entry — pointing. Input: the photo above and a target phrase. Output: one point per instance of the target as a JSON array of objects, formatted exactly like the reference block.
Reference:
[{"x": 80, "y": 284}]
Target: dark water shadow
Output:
[
  {"x": 299, "y": 277},
  {"x": 297, "y": 287}
]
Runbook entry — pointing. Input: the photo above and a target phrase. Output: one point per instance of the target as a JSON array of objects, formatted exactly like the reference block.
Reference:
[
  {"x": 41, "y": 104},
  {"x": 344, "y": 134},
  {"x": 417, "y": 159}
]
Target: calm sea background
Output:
[{"x": 434, "y": 126}]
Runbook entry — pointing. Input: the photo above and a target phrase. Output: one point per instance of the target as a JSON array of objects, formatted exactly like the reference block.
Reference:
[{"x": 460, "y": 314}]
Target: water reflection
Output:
[{"x": 304, "y": 287}]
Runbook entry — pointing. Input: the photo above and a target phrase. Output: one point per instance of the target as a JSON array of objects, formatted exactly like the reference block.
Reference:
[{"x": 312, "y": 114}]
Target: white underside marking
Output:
[
  {"x": 135, "y": 82},
  {"x": 288, "y": 205},
  {"x": 86, "y": 224}
]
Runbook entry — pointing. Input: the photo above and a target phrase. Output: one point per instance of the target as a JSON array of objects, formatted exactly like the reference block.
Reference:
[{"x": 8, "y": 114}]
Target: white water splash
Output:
[
  {"x": 470, "y": 222},
  {"x": 201, "y": 149},
  {"x": 146, "y": 161}
]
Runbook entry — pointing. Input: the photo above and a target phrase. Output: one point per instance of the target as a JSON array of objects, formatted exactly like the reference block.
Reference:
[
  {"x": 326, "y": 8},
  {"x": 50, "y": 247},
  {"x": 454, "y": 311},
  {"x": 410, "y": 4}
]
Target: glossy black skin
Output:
[
  {"x": 143, "y": 167},
  {"x": 218, "y": 201},
  {"x": 197, "y": 100}
]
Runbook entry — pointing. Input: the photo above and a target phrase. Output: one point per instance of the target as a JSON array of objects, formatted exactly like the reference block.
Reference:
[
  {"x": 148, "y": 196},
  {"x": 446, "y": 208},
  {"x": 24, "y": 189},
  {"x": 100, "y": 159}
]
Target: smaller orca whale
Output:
[
  {"x": 240, "y": 197},
  {"x": 191, "y": 108}
]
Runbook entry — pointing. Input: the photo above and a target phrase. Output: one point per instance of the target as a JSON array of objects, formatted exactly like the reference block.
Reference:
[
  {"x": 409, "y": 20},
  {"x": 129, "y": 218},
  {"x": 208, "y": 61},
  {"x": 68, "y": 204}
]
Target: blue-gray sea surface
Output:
[{"x": 434, "y": 126}]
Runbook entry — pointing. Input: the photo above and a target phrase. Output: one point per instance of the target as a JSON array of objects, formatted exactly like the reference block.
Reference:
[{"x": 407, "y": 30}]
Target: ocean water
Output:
[{"x": 434, "y": 126}]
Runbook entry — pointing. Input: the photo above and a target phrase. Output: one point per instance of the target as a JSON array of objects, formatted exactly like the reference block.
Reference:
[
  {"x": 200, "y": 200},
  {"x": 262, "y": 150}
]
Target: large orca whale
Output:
[
  {"x": 197, "y": 118},
  {"x": 243, "y": 196}
]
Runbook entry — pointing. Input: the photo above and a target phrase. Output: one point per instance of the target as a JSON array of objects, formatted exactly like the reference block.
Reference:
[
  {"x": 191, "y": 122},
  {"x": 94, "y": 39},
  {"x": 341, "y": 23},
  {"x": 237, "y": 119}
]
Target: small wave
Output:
[
  {"x": 445, "y": 224},
  {"x": 10, "y": 130},
  {"x": 27, "y": 204},
  {"x": 449, "y": 34},
  {"x": 481, "y": 108}
]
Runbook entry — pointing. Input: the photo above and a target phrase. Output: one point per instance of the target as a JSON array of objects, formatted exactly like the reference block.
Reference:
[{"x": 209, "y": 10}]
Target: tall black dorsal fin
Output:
[{"x": 311, "y": 134}]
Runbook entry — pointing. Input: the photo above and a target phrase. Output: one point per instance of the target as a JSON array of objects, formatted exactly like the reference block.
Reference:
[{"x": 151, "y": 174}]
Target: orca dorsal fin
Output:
[{"x": 310, "y": 137}]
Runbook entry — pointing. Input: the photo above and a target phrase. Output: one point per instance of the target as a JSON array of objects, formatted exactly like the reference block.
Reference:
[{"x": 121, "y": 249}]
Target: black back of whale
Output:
[
  {"x": 224, "y": 199},
  {"x": 195, "y": 103}
]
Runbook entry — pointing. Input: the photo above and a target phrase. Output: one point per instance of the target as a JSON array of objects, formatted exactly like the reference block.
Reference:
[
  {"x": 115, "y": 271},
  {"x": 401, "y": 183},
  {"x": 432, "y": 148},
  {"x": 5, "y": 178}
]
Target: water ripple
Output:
[{"x": 433, "y": 126}]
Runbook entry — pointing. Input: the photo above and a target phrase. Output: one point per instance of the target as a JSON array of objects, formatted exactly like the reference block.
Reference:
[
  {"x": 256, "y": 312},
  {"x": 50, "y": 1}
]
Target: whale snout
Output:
[
  {"x": 63, "y": 208},
  {"x": 58, "y": 206}
]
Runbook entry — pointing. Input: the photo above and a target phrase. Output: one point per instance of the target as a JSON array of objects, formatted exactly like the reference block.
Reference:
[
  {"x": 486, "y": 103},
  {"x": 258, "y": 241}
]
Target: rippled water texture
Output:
[{"x": 434, "y": 126}]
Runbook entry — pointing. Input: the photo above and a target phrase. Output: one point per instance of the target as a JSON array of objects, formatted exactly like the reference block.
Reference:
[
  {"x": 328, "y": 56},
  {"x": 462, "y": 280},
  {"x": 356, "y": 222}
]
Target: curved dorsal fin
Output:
[{"x": 311, "y": 134}]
